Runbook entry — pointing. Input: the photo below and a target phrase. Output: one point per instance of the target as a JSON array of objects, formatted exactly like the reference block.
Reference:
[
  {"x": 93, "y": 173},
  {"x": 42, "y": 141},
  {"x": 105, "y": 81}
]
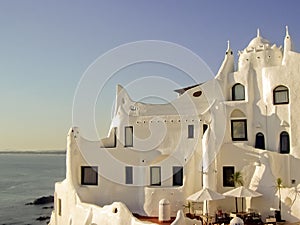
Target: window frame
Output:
[
  {"x": 93, "y": 168},
  {"x": 151, "y": 176},
  {"x": 284, "y": 134},
  {"x": 59, "y": 206},
  {"x": 233, "y": 92},
  {"x": 128, "y": 175},
  {"x": 126, "y": 128},
  {"x": 226, "y": 182},
  {"x": 245, "y": 130},
  {"x": 177, "y": 171},
  {"x": 191, "y": 131},
  {"x": 261, "y": 135},
  {"x": 286, "y": 90}
]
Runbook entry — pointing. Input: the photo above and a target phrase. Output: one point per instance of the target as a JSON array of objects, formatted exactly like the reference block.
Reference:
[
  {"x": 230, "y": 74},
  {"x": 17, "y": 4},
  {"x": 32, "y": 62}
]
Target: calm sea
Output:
[{"x": 23, "y": 178}]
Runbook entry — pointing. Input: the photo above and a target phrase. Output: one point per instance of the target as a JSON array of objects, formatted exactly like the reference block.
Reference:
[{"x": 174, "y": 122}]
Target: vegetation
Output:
[
  {"x": 237, "y": 180},
  {"x": 278, "y": 186}
]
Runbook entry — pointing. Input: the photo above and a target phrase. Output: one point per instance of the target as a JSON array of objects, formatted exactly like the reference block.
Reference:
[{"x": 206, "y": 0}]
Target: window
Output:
[
  {"x": 177, "y": 176},
  {"x": 239, "y": 130},
  {"x": 238, "y": 92},
  {"x": 129, "y": 175},
  {"x": 155, "y": 179},
  {"x": 284, "y": 142},
  {"x": 260, "y": 141},
  {"x": 281, "y": 95},
  {"x": 227, "y": 173},
  {"x": 197, "y": 93},
  {"x": 204, "y": 128},
  {"x": 59, "y": 207},
  {"x": 89, "y": 175},
  {"x": 129, "y": 136},
  {"x": 190, "y": 131}
]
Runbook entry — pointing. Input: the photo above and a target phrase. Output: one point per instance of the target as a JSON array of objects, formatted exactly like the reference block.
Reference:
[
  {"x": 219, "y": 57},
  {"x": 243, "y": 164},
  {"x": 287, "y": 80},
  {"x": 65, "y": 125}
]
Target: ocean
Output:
[{"x": 25, "y": 177}]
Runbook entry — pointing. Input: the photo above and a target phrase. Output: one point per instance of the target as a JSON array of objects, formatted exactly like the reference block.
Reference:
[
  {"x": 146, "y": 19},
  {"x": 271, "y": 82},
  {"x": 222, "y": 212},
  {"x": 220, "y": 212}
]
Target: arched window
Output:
[
  {"x": 260, "y": 141},
  {"x": 280, "y": 95},
  {"x": 284, "y": 142},
  {"x": 238, "y": 92},
  {"x": 238, "y": 126}
]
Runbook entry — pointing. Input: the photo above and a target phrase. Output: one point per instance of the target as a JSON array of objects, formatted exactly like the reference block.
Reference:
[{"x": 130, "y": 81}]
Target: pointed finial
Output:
[
  {"x": 287, "y": 31},
  {"x": 258, "y": 32},
  {"x": 228, "y": 45}
]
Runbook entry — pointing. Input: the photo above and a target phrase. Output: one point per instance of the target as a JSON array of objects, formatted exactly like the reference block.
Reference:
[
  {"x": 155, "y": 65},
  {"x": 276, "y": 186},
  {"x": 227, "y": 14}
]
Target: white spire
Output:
[
  {"x": 288, "y": 45},
  {"x": 258, "y": 32},
  {"x": 228, "y": 45},
  {"x": 287, "y": 31}
]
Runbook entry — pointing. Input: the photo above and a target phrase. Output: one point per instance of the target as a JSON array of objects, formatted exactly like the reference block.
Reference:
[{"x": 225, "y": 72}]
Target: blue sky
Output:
[{"x": 45, "y": 47}]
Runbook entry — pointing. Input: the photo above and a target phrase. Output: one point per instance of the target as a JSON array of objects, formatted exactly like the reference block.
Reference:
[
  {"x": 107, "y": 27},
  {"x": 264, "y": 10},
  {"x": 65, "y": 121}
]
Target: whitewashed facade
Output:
[{"x": 170, "y": 151}]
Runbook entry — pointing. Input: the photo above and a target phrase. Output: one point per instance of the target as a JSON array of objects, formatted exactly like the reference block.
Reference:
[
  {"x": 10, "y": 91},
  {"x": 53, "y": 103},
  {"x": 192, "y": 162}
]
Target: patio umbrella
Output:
[
  {"x": 241, "y": 192},
  {"x": 205, "y": 195}
]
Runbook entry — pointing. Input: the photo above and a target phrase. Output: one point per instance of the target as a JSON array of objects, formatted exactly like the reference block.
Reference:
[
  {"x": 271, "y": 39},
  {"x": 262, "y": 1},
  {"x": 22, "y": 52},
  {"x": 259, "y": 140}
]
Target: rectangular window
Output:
[
  {"x": 59, "y": 207},
  {"x": 228, "y": 171},
  {"x": 177, "y": 176},
  {"x": 281, "y": 97},
  {"x": 89, "y": 175},
  {"x": 129, "y": 174},
  {"x": 190, "y": 131},
  {"x": 115, "y": 137},
  {"x": 129, "y": 136},
  {"x": 155, "y": 176},
  {"x": 239, "y": 130}
]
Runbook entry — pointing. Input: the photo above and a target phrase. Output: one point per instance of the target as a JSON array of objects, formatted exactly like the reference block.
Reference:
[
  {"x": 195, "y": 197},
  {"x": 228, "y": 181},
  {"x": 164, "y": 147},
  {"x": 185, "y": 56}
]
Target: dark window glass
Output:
[
  {"x": 281, "y": 95},
  {"x": 89, "y": 175},
  {"x": 238, "y": 92},
  {"x": 205, "y": 126},
  {"x": 239, "y": 130},
  {"x": 177, "y": 176},
  {"x": 260, "y": 141},
  {"x": 129, "y": 175},
  {"x": 284, "y": 143},
  {"x": 228, "y": 171}
]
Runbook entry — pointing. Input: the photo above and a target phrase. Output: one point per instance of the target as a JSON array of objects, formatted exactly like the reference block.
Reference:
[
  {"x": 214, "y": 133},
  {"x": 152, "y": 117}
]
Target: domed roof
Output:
[{"x": 258, "y": 42}]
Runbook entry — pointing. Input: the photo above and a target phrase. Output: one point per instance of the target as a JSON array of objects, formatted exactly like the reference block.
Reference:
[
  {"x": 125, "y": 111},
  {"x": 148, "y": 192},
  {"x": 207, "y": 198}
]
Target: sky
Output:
[{"x": 46, "y": 47}]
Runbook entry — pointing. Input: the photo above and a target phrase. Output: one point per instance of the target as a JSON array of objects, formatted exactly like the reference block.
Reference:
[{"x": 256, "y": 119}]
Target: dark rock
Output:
[
  {"x": 42, "y": 218},
  {"x": 42, "y": 200},
  {"x": 48, "y": 207}
]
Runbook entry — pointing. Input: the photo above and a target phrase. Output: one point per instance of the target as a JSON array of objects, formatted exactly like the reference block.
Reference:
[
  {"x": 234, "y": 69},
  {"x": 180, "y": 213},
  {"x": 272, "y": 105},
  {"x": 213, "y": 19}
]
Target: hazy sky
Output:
[{"x": 45, "y": 47}]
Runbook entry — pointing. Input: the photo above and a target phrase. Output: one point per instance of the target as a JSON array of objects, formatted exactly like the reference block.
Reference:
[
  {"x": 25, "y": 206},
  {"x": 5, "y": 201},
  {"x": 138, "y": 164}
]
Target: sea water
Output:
[{"x": 23, "y": 178}]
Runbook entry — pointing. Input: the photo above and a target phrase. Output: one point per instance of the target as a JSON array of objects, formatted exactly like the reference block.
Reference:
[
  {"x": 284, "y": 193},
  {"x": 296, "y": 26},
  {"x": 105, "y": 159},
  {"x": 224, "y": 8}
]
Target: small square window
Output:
[
  {"x": 228, "y": 171},
  {"x": 89, "y": 175},
  {"x": 239, "y": 130},
  {"x": 190, "y": 131}
]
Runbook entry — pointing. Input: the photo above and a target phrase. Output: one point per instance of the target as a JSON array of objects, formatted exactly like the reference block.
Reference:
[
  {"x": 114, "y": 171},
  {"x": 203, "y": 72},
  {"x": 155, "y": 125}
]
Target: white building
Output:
[{"x": 153, "y": 152}]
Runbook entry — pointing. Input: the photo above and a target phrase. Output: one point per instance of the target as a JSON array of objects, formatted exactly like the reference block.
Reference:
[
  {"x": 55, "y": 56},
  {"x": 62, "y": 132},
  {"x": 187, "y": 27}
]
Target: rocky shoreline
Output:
[{"x": 41, "y": 201}]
